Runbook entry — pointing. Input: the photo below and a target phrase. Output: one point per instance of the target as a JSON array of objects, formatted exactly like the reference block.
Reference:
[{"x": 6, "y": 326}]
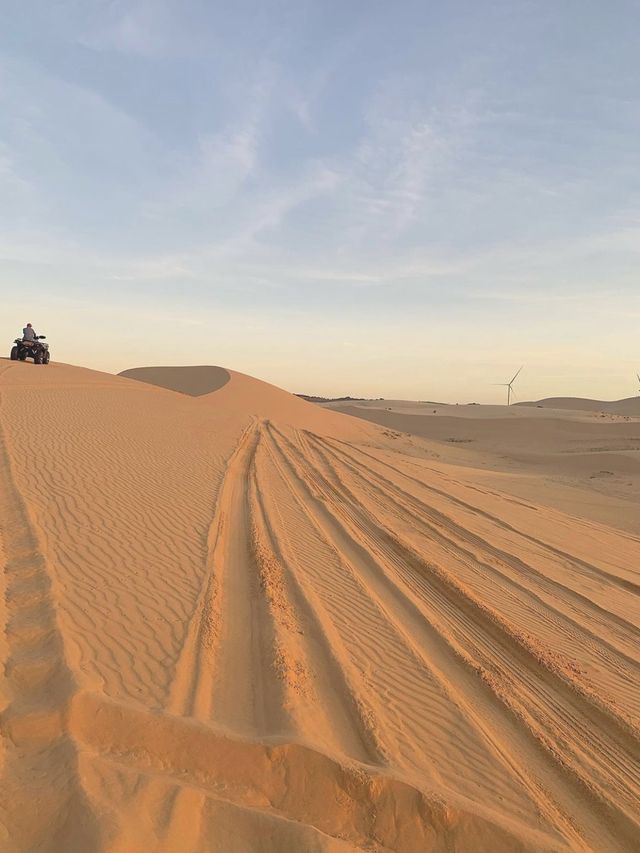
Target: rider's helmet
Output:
[{"x": 28, "y": 325}]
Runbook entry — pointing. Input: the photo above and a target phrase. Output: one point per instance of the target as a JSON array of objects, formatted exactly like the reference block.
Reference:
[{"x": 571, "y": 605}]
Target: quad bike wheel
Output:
[
  {"x": 37, "y": 359},
  {"x": 14, "y": 353},
  {"x": 46, "y": 358},
  {"x": 22, "y": 356}
]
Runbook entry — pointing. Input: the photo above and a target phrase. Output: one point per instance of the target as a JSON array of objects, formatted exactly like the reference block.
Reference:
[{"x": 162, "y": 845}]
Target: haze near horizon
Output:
[{"x": 404, "y": 200}]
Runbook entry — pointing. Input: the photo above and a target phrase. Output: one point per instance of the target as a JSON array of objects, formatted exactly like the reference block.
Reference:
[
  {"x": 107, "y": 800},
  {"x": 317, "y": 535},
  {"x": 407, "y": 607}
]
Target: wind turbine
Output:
[
  {"x": 509, "y": 386},
  {"x": 638, "y": 378}
]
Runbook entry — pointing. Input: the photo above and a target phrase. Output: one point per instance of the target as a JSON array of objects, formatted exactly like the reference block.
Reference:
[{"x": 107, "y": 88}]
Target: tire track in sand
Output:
[
  {"x": 242, "y": 664},
  {"x": 330, "y": 711},
  {"x": 249, "y": 693},
  {"x": 584, "y": 630},
  {"x": 191, "y": 693},
  {"x": 413, "y": 703},
  {"x": 42, "y": 800},
  {"x": 598, "y": 573},
  {"x": 230, "y": 669},
  {"x": 449, "y": 629},
  {"x": 197, "y": 673},
  {"x": 584, "y": 735}
]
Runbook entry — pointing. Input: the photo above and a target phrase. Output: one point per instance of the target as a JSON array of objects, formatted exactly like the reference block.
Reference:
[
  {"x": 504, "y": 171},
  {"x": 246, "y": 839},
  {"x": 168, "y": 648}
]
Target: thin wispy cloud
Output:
[
  {"x": 135, "y": 27},
  {"x": 322, "y": 164}
]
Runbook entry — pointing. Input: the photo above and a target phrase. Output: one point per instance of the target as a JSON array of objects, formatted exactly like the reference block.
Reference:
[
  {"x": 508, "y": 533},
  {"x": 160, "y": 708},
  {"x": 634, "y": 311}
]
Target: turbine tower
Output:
[
  {"x": 638, "y": 378},
  {"x": 509, "y": 386}
]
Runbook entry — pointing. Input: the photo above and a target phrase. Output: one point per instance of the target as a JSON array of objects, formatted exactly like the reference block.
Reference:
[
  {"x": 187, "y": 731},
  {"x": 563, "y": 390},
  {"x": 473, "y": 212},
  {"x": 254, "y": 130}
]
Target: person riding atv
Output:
[
  {"x": 29, "y": 333},
  {"x": 30, "y": 346}
]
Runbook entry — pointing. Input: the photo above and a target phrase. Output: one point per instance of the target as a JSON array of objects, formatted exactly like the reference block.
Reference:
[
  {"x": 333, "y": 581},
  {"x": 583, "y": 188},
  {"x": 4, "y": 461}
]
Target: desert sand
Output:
[
  {"x": 582, "y": 460},
  {"x": 237, "y": 621},
  {"x": 628, "y": 406}
]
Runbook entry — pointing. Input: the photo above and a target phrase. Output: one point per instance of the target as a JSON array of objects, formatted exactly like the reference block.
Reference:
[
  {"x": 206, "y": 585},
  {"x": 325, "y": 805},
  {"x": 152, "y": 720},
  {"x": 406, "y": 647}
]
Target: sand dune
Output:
[
  {"x": 628, "y": 406},
  {"x": 195, "y": 381},
  {"x": 581, "y": 462},
  {"x": 237, "y": 621}
]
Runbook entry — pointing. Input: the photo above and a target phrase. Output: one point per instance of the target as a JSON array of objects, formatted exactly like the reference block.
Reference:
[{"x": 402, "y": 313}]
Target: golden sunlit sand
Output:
[
  {"x": 238, "y": 621},
  {"x": 579, "y": 456}
]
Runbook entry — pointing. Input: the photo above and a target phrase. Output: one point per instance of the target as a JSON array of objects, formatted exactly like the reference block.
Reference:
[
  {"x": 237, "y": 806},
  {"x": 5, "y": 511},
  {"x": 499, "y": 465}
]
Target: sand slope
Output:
[
  {"x": 584, "y": 463},
  {"x": 238, "y": 622},
  {"x": 195, "y": 381},
  {"x": 628, "y": 406}
]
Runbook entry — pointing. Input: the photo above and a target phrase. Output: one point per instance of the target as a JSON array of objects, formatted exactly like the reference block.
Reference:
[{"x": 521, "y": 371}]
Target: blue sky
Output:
[{"x": 402, "y": 199}]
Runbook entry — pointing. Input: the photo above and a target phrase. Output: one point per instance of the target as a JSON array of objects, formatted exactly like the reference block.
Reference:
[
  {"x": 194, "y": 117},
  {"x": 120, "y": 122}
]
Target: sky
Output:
[{"x": 400, "y": 199}]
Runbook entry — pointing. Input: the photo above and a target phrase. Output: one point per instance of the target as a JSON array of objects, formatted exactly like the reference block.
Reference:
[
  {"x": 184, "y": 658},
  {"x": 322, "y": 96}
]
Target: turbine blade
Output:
[{"x": 515, "y": 377}]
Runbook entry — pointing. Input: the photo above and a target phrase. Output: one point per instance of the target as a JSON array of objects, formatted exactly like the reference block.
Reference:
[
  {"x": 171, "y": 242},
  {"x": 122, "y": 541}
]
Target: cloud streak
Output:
[{"x": 417, "y": 168}]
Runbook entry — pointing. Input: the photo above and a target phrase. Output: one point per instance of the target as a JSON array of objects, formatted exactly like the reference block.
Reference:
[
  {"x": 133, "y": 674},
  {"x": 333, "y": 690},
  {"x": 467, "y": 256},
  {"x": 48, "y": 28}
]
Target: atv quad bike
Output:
[{"x": 35, "y": 349}]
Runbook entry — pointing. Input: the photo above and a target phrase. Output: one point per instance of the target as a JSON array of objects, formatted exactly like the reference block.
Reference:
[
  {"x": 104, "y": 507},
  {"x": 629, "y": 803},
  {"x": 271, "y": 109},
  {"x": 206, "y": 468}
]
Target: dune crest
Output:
[
  {"x": 628, "y": 406},
  {"x": 194, "y": 381},
  {"x": 238, "y": 621}
]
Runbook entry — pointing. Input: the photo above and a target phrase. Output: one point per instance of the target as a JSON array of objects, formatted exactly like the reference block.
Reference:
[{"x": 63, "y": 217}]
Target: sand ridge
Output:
[
  {"x": 237, "y": 621},
  {"x": 629, "y": 406},
  {"x": 195, "y": 381}
]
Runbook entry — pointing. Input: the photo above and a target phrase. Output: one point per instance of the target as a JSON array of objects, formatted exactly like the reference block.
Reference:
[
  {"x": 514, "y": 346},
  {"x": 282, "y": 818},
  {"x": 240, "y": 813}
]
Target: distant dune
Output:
[
  {"x": 238, "y": 622},
  {"x": 196, "y": 381},
  {"x": 628, "y": 406}
]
